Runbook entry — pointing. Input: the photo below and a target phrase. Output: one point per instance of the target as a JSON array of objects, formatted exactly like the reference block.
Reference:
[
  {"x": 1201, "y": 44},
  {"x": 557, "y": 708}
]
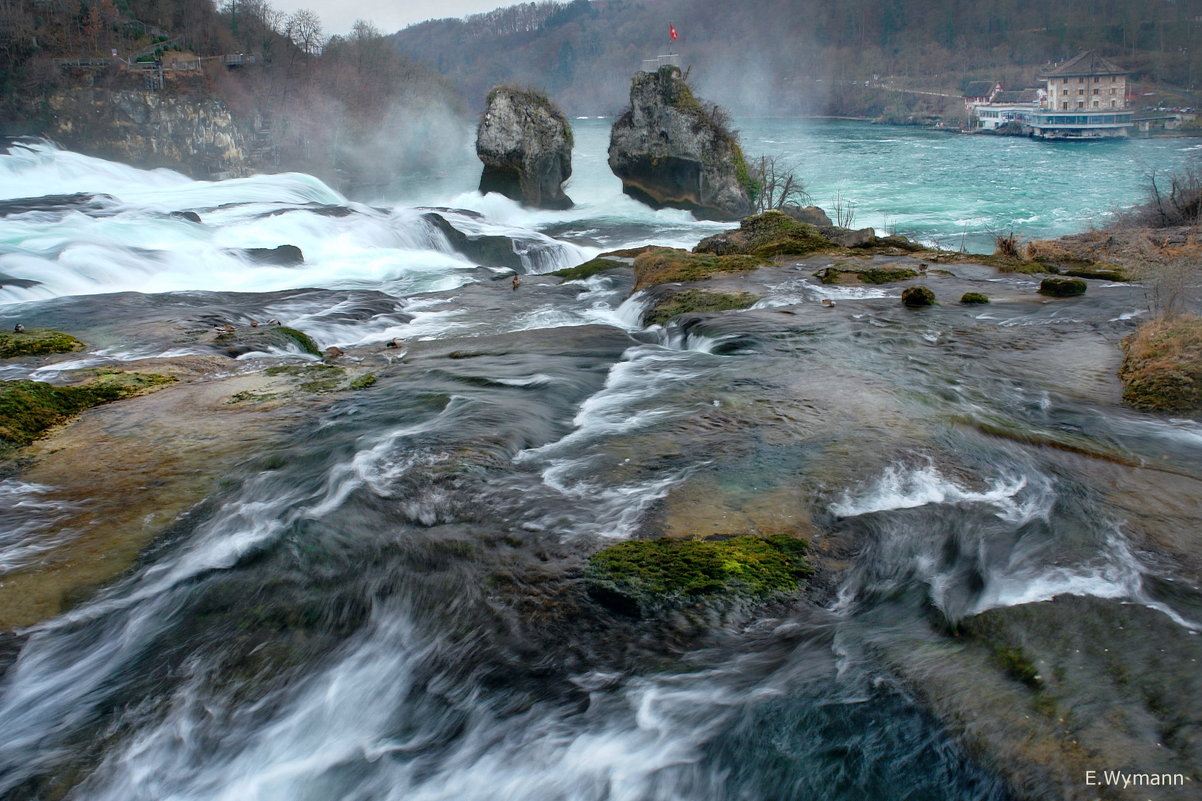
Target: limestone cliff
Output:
[
  {"x": 526, "y": 146},
  {"x": 671, "y": 151},
  {"x": 194, "y": 135}
]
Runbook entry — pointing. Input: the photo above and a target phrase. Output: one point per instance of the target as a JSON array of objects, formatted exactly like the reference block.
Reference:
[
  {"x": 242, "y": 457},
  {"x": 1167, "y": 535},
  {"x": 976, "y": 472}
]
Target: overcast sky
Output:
[{"x": 389, "y": 16}]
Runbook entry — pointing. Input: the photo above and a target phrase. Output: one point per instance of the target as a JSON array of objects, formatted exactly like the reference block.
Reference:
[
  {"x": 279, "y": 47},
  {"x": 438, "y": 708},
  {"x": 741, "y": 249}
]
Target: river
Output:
[{"x": 385, "y": 602}]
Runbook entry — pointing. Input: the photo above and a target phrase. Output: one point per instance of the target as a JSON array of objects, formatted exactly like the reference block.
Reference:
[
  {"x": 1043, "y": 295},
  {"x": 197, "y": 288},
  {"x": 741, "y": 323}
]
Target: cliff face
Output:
[
  {"x": 526, "y": 146},
  {"x": 671, "y": 152},
  {"x": 196, "y": 136}
]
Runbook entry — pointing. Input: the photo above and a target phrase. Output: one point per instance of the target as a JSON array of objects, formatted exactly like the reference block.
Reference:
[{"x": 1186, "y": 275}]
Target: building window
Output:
[
  {"x": 1080, "y": 92},
  {"x": 1064, "y": 80},
  {"x": 1095, "y": 104},
  {"x": 1112, "y": 90},
  {"x": 1080, "y": 104},
  {"x": 1064, "y": 105},
  {"x": 1097, "y": 78}
]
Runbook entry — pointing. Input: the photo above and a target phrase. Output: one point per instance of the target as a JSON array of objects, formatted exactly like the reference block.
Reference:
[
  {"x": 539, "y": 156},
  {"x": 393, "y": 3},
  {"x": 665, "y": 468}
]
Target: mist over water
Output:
[{"x": 387, "y": 602}]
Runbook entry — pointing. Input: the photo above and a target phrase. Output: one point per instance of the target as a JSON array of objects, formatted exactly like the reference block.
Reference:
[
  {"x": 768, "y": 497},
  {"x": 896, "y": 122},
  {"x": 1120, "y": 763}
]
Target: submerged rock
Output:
[
  {"x": 489, "y": 250},
  {"x": 27, "y": 408},
  {"x": 281, "y": 255},
  {"x": 643, "y": 576},
  {"x": 969, "y": 298},
  {"x": 697, "y": 301},
  {"x": 525, "y": 143},
  {"x": 671, "y": 151}
]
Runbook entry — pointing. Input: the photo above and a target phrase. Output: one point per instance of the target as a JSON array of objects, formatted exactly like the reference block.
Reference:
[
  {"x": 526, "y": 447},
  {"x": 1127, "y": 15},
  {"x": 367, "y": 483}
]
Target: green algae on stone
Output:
[
  {"x": 28, "y": 408},
  {"x": 772, "y": 233},
  {"x": 1062, "y": 287},
  {"x": 37, "y": 342},
  {"x": 666, "y": 266},
  {"x": 697, "y": 300},
  {"x": 362, "y": 382},
  {"x": 588, "y": 269},
  {"x": 1162, "y": 366},
  {"x": 970, "y": 298},
  {"x": 917, "y": 296},
  {"x": 644, "y": 575}
]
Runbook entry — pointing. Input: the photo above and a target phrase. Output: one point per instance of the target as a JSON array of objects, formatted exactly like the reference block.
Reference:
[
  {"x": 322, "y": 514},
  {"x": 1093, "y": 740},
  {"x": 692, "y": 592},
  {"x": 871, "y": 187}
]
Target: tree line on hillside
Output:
[
  {"x": 803, "y": 56},
  {"x": 346, "y": 108}
]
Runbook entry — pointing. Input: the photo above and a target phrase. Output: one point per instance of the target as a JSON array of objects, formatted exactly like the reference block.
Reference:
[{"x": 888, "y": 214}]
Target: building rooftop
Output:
[
  {"x": 1085, "y": 63},
  {"x": 980, "y": 89},
  {"x": 1017, "y": 96}
]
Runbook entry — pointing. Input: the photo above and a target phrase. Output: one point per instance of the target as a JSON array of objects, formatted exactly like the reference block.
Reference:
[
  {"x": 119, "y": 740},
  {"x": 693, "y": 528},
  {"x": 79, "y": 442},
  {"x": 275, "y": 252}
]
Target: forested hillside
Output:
[
  {"x": 347, "y": 108},
  {"x": 789, "y": 56}
]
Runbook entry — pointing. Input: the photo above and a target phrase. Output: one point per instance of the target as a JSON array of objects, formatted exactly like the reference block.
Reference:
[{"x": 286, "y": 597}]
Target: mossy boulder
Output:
[
  {"x": 772, "y": 233},
  {"x": 971, "y": 298},
  {"x": 697, "y": 301},
  {"x": 589, "y": 269},
  {"x": 1100, "y": 272},
  {"x": 250, "y": 339},
  {"x": 1057, "y": 287},
  {"x": 665, "y": 266},
  {"x": 917, "y": 296},
  {"x": 28, "y": 408},
  {"x": 644, "y": 576},
  {"x": 1162, "y": 366},
  {"x": 37, "y": 342},
  {"x": 872, "y": 275}
]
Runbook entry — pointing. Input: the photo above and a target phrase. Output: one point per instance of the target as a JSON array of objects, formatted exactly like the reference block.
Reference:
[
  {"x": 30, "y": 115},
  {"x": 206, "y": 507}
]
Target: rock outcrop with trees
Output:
[{"x": 673, "y": 151}]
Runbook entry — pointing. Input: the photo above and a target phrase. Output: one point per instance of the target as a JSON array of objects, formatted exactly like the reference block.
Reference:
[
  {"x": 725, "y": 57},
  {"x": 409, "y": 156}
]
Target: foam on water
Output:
[{"x": 904, "y": 487}]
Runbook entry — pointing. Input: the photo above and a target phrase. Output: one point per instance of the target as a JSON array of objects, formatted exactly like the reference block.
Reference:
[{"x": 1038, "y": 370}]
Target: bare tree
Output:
[
  {"x": 778, "y": 183},
  {"x": 303, "y": 27},
  {"x": 845, "y": 210}
]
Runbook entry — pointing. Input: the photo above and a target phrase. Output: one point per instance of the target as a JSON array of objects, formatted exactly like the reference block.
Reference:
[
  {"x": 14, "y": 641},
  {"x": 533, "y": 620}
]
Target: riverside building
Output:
[{"x": 1083, "y": 98}]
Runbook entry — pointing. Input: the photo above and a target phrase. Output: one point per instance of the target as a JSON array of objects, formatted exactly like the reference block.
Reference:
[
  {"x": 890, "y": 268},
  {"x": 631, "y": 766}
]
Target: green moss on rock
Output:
[
  {"x": 1062, "y": 287},
  {"x": 970, "y": 298},
  {"x": 1100, "y": 272},
  {"x": 37, "y": 342},
  {"x": 645, "y": 575},
  {"x": 1162, "y": 366},
  {"x": 886, "y": 275},
  {"x": 666, "y": 266},
  {"x": 28, "y": 408},
  {"x": 588, "y": 269},
  {"x": 917, "y": 296},
  {"x": 363, "y": 382},
  {"x": 770, "y": 234},
  {"x": 300, "y": 338},
  {"x": 697, "y": 300}
]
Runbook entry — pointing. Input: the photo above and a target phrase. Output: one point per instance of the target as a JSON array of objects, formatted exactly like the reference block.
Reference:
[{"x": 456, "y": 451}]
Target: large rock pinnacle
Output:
[
  {"x": 526, "y": 146},
  {"x": 672, "y": 151}
]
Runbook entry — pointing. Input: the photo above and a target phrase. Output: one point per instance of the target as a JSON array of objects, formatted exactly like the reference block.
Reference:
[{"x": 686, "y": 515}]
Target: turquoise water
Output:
[{"x": 943, "y": 188}]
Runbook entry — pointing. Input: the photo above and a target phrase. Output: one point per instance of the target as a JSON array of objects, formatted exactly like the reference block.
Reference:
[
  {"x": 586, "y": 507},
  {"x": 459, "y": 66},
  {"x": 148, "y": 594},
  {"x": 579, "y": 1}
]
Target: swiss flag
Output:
[{"x": 672, "y": 32}]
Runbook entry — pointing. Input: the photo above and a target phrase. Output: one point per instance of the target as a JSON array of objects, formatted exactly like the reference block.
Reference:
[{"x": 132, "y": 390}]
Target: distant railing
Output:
[
  {"x": 666, "y": 60},
  {"x": 239, "y": 59}
]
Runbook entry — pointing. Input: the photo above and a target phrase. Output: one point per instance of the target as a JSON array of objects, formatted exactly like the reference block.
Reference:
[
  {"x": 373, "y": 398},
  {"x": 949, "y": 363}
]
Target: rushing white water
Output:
[{"x": 519, "y": 459}]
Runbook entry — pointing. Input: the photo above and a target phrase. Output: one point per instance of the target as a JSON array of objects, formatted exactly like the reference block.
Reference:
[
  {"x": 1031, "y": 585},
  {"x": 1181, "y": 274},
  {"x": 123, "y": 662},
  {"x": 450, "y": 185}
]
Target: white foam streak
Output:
[{"x": 903, "y": 487}]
